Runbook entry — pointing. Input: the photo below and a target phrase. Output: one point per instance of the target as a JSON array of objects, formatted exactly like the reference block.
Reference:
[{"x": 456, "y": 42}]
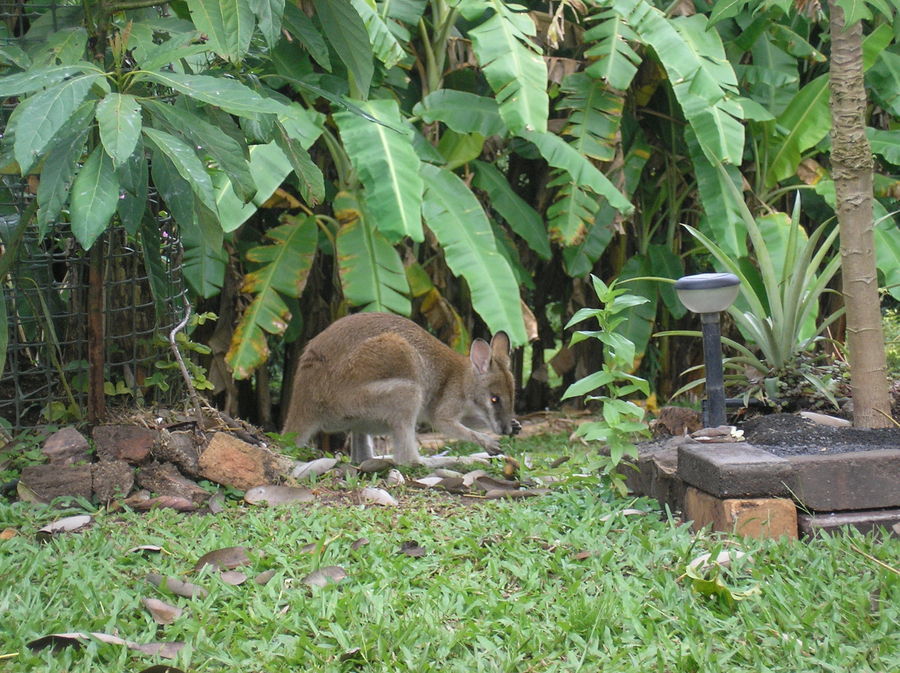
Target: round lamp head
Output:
[{"x": 708, "y": 292}]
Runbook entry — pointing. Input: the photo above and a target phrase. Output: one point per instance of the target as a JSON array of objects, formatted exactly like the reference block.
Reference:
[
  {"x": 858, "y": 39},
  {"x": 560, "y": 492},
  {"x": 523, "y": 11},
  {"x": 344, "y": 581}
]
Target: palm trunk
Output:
[{"x": 852, "y": 166}]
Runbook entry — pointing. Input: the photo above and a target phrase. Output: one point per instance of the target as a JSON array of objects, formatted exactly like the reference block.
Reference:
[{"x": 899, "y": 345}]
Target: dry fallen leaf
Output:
[
  {"x": 314, "y": 468},
  {"x": 470, "y": 477},
  {"x": 723, "y": 559},
  {"x": 377, "y": 496},
  {"x": 226, "y": 558},
  {"x": 161, "y": 668},
  {"x": 233, "y": 577},
  {"x": 175, "y": 502},
  {"x": 426, "y": 482},
  {"x": 216, "y": 503},
  {"x": 8, "y": 533},
  {"x": 559, "y": 461},
  {"x": 69, "y": 524},
  {"x": 264, "y": 577},
  {"x": 162, "y": 613},
  {"x": 146, "y": 549},
  {"x": 325, "y": 576},
  {"x": 176, "y": 586},
  {"x": 623, "y": 512},
  {"x": 489, "y": 483},
  {"x": 77, "y": 638},
  {"x": 394, "y": 478},
  {"x": 361, "y": 542},
  {"x": 277, "y": 495},
  {"x": 375, "y": 465}
]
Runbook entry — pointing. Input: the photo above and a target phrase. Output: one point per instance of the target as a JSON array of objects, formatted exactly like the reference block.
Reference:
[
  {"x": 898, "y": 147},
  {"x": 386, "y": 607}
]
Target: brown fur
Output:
[{"x": 380, "y": 374}]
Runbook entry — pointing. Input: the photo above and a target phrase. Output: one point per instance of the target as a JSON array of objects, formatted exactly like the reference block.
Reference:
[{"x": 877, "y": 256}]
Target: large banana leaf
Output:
[
  {"x": 343, "y": 27},
  {"x": 458, "y": 221},
  {"x": 513, "y": 67},
  {"x": 807, "y": 118},
  {"x": 521, "y": 217},
  {"x": 462, "y": 111},
  {"x": 612, "y": 58},
  {"x": 570, "y": 215},
  {"x": 595, "y": 113},
  {"x": 384, "y": 44},
  {"x": 269, "y": 167},
  {"x": 702, "y": 78},
  {"x": 723, "y": 219},
  {"x": 372, "y": 274},
  {"x": 388, "y": 167},
  {"x": 559, "y": 154},
  {"x": 285, "y": 268}
]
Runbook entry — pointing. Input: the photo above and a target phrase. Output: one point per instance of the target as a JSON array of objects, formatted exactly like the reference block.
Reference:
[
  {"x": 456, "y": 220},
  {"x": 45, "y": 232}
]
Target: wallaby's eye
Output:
[{"x": 495, "y": 400}]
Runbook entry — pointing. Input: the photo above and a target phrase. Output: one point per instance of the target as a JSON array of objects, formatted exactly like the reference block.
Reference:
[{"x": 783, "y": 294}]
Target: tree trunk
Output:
[{"x": 852, "y": 166}]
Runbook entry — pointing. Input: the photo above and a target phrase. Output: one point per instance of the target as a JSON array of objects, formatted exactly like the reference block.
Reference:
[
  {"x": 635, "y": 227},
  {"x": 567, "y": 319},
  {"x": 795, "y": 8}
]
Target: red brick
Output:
[{"x": 753, "y": 517}]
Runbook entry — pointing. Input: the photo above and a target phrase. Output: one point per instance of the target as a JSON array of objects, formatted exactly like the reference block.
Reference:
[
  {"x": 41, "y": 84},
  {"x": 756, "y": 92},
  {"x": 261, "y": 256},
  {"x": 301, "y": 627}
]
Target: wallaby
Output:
[{"x": 380, "y": 374}]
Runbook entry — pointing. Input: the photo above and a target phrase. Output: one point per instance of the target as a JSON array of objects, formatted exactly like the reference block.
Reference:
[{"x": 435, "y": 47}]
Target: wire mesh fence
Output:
[{"x": 45, "y": 290}]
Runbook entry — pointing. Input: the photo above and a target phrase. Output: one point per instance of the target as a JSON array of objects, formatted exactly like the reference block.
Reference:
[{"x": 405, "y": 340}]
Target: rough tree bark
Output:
[{"x": 851, "y": 167}]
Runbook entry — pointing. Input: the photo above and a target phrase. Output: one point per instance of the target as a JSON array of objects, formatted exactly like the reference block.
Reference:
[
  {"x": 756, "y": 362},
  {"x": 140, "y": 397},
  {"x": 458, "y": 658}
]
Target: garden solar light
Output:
[{"x": 709, "y": 294}]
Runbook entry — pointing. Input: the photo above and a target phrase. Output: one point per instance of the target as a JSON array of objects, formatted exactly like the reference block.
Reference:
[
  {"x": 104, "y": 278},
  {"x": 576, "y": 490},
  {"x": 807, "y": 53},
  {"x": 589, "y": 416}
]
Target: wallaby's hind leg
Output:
[
  {"x": 406, "y": 446},
  {"x": 361, "y": 447}
]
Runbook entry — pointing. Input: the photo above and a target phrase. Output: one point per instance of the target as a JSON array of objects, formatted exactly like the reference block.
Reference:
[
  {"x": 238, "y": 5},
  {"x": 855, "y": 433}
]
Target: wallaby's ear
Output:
[
  {"x": 480, "y": 355},
  {"x": 500, "y": 347}
]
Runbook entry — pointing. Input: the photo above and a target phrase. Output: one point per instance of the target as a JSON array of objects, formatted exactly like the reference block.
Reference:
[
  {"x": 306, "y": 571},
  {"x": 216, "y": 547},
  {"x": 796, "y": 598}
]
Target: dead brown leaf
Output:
[
  {"x": 278, "y": 495},
  {"x": 325, "y": 576},
  {"x": 226, "y": 558},
  {"x": 162, "y": 613},
  {"x": 314, "y": 468},
  {"x": 8, "y": 533},
  {"x": 77, "y": 639},
  {"x": 264, "y": 577},
  {"x": 413, "y": 549},
  {"x": 361, "y": 542},
  {"x": 233, "y": 577},
  {"x": 377, "y": 496},
  {"x": 69, "y": 524},
  {"x": 176, "y": 586}
]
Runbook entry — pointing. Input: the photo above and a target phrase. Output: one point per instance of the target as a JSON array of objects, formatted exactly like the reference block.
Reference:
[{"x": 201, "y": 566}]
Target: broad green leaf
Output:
[
  {"x": 134, "y": 176},
  {"x": 559, "y": 154},
  {"x": 887, "y": 253},
  {"x": 513, "y": 67},
  {"x": 388, "y": 168},
  {"x": 580, "y": 259},
  {"x": 186, "y": 163},
  {"x": 42, "y": 115},
  {"x": 12, "y": 54},
  {"x": 884, "y": 81},
  {"x": 725, "y": 9},
  {"x": 227, "y": 24},
  {"x": 269, "y": 168},
  {"x": 64, "y": 44},
  {"x": 230, "y": 154},
  {"x": 285, "y": 268},
  {"x": 458, "y": 221},
  {"x": 119, "y": 119},
  {"x": 158, "y": 276},
  {"x": 524, "y": 220},
  {"x": 723, "y": 219},
  {"x": 223, "y": 92},
  {"x": 301, "y": 27},
  {"x": 175, "y": 191},
  {"x": 309, "y": 176},
  {"x": 384, "y": 44},
  {"x": 95, "y": 194},
  {"x": 35, "y": 79},
  {"x": 640, "y": 321},
  {"x": 885, "y": 144},
  {"x": 571, "y": 213},
  {"x": 702, "y": 78},
  {"x": 161, "y": 55},
  {"x": 344, "y": 29},
  {"x": 807, "y": 117},
  {"x": 612, "y": 58},
  {"x": 61, "y": 165},
  {"x": 269, "y": 14},
  {"x": 589, "y": 383},
  {"x": 667, "y": 264},
  {"x": 594, "y": 116},
  {"x": 204, "y": 263},
  {"x": 372, "y": 274},
  {"x": 854, "y": 11},
  {"x": 458, "y": 149},
  {"x": 462, "y": 111}
]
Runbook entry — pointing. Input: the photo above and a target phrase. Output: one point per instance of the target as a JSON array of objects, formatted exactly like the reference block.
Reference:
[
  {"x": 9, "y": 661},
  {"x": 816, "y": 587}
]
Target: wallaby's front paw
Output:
[
  {"x": 514, "y": 427},
  {"x": 491, "y": 445}
]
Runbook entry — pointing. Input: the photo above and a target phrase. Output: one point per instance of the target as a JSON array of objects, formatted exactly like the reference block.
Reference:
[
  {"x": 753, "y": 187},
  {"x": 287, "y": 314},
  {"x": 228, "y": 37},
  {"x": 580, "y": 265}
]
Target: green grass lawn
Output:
[{"x": 546, "y": 584}]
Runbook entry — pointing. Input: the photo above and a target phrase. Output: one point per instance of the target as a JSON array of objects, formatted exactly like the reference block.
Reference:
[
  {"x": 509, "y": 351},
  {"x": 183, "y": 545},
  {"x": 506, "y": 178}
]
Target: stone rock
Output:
[
  {"x": 825, "y": 419},
  {"x": 66, "y": 446},
  {"x": 179, "y": 449},
  {"x": 229, "y": 461},
  {"x": 848, "y": 481},
  {"x": 52, "y": 481},
  {"x": 736, "y": 470},
  {"x": 130, "y": 443},
  {"x": 865, "y": 521},
  {"x": 752, "y": 517},
  {"x": 656, "y": 474},
  {"x": 111, "y": 479},
  {"x": 165, "y": 479}
]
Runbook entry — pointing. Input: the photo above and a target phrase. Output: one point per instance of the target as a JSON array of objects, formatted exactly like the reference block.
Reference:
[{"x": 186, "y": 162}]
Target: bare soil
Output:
[{"x": 792, "y": 435}]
